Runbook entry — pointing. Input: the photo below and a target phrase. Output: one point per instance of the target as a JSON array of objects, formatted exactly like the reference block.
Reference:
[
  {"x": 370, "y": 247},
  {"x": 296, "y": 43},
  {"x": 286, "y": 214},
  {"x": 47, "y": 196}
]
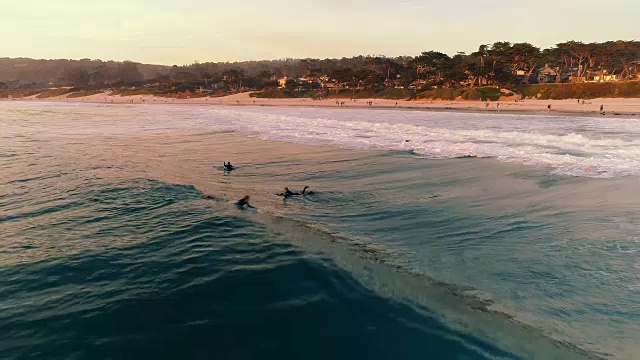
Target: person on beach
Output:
[
  {"x": 602, "y": 108},
  {"x": 549, "y": 107},
  {"x": 244, "y": 203}
]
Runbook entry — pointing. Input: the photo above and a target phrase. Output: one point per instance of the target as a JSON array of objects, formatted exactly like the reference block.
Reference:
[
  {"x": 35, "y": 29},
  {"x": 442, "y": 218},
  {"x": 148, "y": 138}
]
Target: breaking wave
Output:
[
  {"x": 598, "y": 147},
  {"x": 568, "y": 149}
]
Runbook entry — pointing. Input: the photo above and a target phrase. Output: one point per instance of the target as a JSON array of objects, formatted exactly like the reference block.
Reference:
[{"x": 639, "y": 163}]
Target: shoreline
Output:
[{"x": 619, "y": 107}]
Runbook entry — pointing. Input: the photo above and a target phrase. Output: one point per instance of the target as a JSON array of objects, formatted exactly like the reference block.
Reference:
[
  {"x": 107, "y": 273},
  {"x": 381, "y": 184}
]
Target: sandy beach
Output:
[{"x": 612, "y": 106}]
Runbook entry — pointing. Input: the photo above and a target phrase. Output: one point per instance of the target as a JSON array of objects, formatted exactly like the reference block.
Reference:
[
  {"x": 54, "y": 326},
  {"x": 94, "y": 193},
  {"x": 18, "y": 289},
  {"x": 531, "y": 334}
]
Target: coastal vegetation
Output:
[
  {"x": 80, "y": 94},
  {"x": 568, "y": 70},
  {"x": 580, "y": 90},
  {"x": 53, "y": 93},
  {"x": 17, "y": 93}
]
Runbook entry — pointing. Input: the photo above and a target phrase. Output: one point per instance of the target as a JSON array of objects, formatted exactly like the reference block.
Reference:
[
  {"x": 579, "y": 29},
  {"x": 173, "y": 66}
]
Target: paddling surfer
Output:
[{"x": 244, "y": 203}]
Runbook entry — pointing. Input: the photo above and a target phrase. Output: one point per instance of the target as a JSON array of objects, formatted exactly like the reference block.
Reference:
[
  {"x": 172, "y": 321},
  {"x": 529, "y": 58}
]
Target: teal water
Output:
[{"x": 108, "y": 250}]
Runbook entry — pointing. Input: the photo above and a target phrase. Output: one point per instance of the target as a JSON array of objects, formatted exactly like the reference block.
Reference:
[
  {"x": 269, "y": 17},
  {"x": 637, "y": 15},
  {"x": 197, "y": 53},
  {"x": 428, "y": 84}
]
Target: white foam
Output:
[
  {"x": 593, "y": 147},
  {"x": 578, "y": 146}
]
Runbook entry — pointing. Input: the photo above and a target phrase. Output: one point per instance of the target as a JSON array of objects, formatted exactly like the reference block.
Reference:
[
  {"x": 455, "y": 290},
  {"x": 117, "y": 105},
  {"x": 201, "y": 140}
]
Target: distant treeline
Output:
[{"x": 502, "y": 64}]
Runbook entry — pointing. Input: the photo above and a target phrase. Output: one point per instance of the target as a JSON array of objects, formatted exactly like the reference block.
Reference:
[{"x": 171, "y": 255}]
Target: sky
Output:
[{"x": 183, "y": 31}]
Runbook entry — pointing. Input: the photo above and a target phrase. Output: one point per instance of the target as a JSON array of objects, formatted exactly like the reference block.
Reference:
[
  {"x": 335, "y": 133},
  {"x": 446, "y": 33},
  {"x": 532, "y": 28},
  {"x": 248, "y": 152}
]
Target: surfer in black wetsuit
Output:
[
  {"x": 287, "y": 193},
  {"x": 228, "y": 166},
  {"x": 244, "y": 202}
]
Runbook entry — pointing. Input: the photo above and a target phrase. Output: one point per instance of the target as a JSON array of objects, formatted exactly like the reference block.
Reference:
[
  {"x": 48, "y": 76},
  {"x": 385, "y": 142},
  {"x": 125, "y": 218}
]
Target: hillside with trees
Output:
[{"x": 610, "y": 68}]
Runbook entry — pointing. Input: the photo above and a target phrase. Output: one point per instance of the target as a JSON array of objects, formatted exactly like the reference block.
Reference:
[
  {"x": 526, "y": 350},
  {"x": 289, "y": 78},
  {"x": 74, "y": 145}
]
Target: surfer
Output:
[
  {"x": 287, "y": 193},
  {"x": 228, "y": 166},
  {"x": 244, "y": 202}
]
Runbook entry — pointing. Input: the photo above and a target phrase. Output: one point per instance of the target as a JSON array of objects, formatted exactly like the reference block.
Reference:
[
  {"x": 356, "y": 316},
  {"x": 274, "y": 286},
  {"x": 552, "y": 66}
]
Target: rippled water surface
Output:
[{"x": 448, "y": 234}]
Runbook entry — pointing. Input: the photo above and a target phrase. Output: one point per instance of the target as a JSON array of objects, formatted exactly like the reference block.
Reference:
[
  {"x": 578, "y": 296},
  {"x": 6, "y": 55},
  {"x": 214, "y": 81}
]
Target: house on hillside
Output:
[
  {"x": 417, "y": 85},
  {"x": 218, "y": 86},
  {"x": 327, "y": 83},
  {"x": 282, "y": 82},
  {"x": 602, "y": 76},
  {"x": 573, "y": 75},
  {"x": 397, "y": 84},
  {"x": 521, "y": 75},
  {"x": 606, "y": 78},
  {"x": 546, "y": 75}
]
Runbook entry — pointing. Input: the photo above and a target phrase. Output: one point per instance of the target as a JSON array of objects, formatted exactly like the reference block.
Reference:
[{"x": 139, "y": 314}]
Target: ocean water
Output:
[{"x": 430, "y": 234}]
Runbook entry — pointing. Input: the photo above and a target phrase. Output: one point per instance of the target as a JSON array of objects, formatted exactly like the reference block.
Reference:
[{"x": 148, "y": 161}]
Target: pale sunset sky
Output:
[{"x": 181, "y": 31}]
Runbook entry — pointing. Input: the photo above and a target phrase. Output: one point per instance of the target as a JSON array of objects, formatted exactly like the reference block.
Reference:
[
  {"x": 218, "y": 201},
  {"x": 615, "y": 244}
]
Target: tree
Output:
[
  {"x": 127, "y": 72},
  {"x": 252, "y": 82},
  {"x": 459, "y": 69},
  {"x": 601, "y": 58},
  {"x": 627, "y": 55},
  {"x": 183, "y": 76},
  {"x": 430, "y": 65},
  {"x": 202, "y": 72},
  {"x": 76, "y": 76},
  {"x": 474, "y": 66},
  {"x": 525, "y": 57},
  {"x": 233, "y": 78},
  {"x": 162, "y": 79},
  {"x": 579, "y": 52},
  {"x": 388, "y": 66},
  {"x": 290, "y": 85},
  {"x": 342, "y": 76},
  {"x": 498, "y": 64},
  {"x": 103, "y": 74},
  {"x": 500, "y": 55},
  {"x": 265, "y": 75},
  {"x": 492, "y": 59},
  {"x": 558, "y": 59},
  {"x": 368, "y": 79}
]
